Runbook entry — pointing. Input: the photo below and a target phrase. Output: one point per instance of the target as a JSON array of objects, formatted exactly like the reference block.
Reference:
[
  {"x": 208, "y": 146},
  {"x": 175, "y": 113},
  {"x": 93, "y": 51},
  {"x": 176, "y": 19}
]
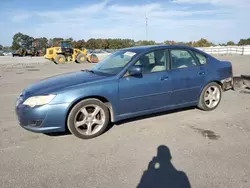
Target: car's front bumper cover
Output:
[{"x": 42, "y": 119}]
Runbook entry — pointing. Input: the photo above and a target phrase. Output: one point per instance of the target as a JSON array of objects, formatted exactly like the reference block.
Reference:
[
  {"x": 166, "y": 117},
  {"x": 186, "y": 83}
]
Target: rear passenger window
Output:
[
  {"x": 202, "y": 59},
  {"x": 155, "y": 61},
  {"x": 182, "y": 59}
]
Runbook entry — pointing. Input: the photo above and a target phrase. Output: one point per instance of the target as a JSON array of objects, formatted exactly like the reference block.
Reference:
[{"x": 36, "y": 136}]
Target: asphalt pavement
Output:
[{"x": 187, "y": 147}]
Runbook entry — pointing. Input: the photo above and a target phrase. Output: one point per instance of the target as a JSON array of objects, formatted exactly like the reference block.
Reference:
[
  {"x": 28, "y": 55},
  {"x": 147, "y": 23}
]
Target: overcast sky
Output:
[{"x": 179, "y": 20}]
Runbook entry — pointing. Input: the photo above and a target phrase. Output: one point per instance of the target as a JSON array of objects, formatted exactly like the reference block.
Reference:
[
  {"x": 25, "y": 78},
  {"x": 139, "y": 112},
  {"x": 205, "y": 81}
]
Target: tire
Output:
[
  {"x": 210, "y": 102},
  {"x": 60, "y": 59},
  {"x": 84, "y": 118},
  {"x": 81, "y": 58}
]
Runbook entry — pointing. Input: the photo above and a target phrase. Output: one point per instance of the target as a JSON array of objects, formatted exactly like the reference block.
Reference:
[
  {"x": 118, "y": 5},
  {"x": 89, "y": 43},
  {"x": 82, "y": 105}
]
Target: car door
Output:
[
  {"x": 151, "y": 90},
  {"x": 187, "y": 75}
]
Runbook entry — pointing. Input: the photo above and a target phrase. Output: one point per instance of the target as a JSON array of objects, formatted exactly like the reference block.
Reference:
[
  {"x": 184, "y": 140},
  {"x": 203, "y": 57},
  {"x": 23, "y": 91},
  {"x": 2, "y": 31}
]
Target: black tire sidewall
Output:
[
  {"x": 58, "y": 56},
  {"x": 202, "y": 104},
  {"x": 76, "y": 108},
  {"x": 78, "y": 58}
]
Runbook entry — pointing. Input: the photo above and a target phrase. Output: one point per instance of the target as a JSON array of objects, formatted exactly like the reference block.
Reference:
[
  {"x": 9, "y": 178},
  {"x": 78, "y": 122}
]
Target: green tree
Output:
[
  {"x": 169, "y": 42},
  {"x": 244, "y": 42},
  {"x": 91, "y": 44},
  {"x": 230, "y": 43},
  {"x": 145, "y": 42},
  {"x": 44, "y": 42},
  {"x": 202, "y": 43},
  {"x": 16, "y": 43},
  {"x": 105, "y": 44},
  {"x": 70, "y": 39},
  {"x": 79, "y": 44},
  {"x": 40, "y": 43},
  {"x": 1, "y": 47},
  {"x": 128, "y": 43},
  {"x": 54, "y": 42},
  {"x": 26, "y": 41},
  {"x": 21, "y": 40}
]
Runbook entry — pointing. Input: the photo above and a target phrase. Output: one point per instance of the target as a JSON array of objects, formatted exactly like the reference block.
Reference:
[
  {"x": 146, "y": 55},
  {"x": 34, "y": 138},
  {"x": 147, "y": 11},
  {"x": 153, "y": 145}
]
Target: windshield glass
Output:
[
  {"x": 114, "y": 62},
  {"x": 65, "y": 44}
]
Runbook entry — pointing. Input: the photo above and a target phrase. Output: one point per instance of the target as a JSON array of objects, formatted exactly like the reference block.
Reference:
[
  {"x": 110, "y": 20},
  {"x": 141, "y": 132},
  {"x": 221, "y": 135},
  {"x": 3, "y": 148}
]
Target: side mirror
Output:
[{"x": 135, "y": 71}]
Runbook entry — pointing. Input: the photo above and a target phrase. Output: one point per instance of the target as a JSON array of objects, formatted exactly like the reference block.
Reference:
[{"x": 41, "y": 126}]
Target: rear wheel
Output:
[
  {"x": 88, "y": 119},
  {"x": 210, "y": 97},
  {"x": 81, "y": 58},
  {"x": 60, "y": 59}
]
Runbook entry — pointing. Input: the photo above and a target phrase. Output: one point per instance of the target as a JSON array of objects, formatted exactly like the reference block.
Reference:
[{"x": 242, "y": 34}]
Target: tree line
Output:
[{"x": 25, "y": 41}]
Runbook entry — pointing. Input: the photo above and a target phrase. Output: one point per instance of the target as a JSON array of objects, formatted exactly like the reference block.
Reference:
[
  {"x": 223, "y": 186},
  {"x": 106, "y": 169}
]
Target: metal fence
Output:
[
  {"x": 216, "y": 50},
  {"x": 227, "y": 50}
]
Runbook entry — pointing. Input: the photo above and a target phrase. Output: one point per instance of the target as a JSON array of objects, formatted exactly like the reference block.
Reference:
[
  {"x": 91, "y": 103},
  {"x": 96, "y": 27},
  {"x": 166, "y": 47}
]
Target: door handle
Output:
[
  {"x": 164, "y": 78},
  {"x": 201, "y": 73}
]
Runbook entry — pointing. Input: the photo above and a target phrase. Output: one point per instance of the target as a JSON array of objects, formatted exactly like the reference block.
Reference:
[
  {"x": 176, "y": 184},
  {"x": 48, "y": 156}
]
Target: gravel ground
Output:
[{"x": 204, "y": 149}]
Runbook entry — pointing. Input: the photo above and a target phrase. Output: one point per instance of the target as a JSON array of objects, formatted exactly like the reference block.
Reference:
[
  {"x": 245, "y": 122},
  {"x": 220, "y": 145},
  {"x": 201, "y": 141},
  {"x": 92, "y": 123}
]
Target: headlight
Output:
[{"x": 39, "y": 100}]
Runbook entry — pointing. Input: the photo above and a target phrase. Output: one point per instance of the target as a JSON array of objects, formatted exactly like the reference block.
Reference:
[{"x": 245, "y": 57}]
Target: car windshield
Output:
[{"x": 114, "y": 63}]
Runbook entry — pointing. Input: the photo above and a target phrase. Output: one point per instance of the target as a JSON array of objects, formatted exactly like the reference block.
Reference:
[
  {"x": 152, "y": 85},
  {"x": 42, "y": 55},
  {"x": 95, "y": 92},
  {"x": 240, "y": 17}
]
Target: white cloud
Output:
[
  {"x": 237, "y": 3},
  {"x": 19, "y": 17}
]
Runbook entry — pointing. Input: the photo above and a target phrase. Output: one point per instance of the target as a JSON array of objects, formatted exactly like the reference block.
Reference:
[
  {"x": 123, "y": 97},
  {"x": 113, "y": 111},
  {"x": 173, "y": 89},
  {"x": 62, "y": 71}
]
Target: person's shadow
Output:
[{"x": 162, "y": 174}]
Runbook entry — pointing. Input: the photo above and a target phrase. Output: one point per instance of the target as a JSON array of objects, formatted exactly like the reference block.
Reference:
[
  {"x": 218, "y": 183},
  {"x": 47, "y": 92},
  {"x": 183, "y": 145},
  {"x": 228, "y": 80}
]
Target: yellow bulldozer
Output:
[{"x": 66, "y": 53}]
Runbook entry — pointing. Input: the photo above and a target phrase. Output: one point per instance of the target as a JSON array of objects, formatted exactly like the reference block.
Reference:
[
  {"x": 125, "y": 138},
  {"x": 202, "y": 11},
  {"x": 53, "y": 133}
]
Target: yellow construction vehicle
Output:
[
  {"x": 24, "y": 52},
  {"x": 66, "y": 53}
]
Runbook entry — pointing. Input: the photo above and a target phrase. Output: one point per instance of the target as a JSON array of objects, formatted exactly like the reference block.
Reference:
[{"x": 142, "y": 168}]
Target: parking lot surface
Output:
[{"x": 189, "y": 146}]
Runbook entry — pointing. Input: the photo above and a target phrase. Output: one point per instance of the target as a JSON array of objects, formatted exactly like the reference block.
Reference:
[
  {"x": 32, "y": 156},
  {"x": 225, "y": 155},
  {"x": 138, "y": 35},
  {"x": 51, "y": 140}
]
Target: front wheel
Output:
[
  {"x": 210, "y": 97},
  {"x": 60, "y": 59},
  {"x": 88, "y": 119},
  {"x": 81, "y": 58}
]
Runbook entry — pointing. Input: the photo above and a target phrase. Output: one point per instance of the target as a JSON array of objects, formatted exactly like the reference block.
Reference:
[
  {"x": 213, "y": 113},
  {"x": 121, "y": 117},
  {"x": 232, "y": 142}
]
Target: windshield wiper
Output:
[{"x": 87, "y": 70}]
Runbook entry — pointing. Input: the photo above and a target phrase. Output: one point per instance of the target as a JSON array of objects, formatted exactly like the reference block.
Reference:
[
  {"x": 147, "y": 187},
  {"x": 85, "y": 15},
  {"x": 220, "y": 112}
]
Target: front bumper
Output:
[{"x": 43, "y": 119}]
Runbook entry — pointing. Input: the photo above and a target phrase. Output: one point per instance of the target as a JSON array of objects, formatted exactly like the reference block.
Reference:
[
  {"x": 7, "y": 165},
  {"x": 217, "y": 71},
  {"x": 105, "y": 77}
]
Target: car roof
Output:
[{"x": 140, "y": 49}]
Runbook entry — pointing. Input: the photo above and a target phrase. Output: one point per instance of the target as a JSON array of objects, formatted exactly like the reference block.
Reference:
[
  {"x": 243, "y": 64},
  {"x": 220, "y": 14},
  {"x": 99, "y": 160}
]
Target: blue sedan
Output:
[{"x": 128, "y": 83}]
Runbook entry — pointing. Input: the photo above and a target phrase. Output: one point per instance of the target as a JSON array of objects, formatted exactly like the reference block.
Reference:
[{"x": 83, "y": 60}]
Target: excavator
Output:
[{"x": 66, "y": 53}]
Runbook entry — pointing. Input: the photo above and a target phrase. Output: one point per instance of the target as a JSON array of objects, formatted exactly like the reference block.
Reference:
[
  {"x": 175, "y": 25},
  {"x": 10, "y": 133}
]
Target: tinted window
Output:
[
  {"x": 202, "y": 59},
  {"x": 182, "y": 59},
  {"x": 114, "y": 63},
  {"x": 155, "y": 61}
]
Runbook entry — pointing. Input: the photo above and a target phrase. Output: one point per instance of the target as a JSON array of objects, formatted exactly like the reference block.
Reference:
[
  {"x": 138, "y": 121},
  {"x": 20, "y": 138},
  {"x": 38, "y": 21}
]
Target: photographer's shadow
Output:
[{"x": 162, "y": 174}]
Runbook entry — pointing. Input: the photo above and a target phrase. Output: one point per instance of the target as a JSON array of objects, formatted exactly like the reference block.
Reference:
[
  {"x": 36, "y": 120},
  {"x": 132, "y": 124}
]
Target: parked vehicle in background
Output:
[
  {"x": 7, "y": 53},
  {"x": 66, "y": 53},
  {"x": 20, "y": 52},
  {"x": 128, "y": 83},
  {"x": 25, "y": 52}
]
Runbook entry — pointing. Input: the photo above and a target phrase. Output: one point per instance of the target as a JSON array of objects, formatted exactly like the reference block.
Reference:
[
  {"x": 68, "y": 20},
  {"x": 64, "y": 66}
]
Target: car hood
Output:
[{"x": 56, "y": 83}]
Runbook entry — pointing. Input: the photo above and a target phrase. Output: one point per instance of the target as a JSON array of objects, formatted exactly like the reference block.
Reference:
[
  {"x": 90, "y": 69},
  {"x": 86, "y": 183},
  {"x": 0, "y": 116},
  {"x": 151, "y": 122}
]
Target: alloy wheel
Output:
[
  {"x": 89, "y": 119},
  {"x": 212, "y": 96}
]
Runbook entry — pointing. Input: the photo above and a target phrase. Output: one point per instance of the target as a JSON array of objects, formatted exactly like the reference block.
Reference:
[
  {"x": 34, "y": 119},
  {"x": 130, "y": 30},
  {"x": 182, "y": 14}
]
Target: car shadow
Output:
[
  {"x": 111, "y": 125},
  {"x": 161, "y": 173},
  {"x": 55, "y": 134},
  {"x": 153, "y": 115}
]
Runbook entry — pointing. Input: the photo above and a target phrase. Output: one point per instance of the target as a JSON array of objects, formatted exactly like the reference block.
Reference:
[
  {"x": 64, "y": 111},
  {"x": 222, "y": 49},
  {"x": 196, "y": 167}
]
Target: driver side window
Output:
[{"x": 155, "y": 61}]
